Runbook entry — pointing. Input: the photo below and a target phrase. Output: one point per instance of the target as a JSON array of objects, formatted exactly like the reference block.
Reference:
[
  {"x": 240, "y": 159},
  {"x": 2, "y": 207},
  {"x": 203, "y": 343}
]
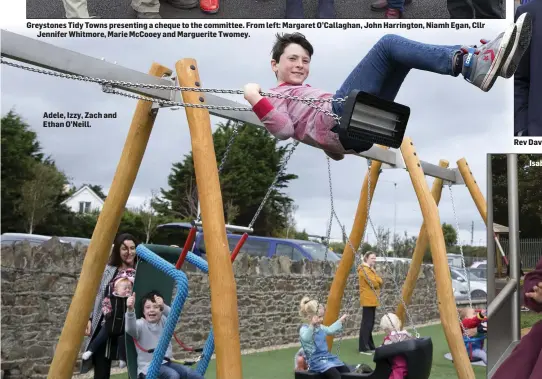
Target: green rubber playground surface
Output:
[{"x": 279, "y": 364}]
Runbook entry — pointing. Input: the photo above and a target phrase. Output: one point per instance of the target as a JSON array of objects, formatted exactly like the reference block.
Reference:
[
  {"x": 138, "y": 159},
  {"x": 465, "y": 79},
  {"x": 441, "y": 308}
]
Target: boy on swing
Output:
[
  {"x": 381, "y": 73},
  {"x": 147, "y": 331}
]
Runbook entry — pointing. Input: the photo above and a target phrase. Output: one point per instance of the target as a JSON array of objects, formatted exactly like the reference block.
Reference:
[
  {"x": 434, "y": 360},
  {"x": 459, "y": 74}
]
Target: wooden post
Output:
[
  {"x": 102, "y": 238},
  {"x": 479, "y": 200},
  {"x": 221, "y": 280},
  {"x": 474, "y": 190},
  {"x": 345, "y": 265},
  {"x": 422, "y": 243},
  {"x": 446, "y": 301}
]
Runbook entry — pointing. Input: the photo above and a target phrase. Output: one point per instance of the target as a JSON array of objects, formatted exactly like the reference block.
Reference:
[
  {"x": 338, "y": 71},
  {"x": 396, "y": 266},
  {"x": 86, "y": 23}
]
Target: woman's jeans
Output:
[
  {"x": 383, "y": 70},
  {"x": 326, "y": 9}
]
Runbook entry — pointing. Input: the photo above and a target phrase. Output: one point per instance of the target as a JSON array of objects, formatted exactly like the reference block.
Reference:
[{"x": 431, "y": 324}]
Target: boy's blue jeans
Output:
[
  {"x": 171, "y": 370},
  {"x": 383, "y": 70}
]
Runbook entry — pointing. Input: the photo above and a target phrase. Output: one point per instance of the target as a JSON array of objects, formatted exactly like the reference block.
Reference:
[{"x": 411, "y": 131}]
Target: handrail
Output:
[{"x": 497, "y": 303}]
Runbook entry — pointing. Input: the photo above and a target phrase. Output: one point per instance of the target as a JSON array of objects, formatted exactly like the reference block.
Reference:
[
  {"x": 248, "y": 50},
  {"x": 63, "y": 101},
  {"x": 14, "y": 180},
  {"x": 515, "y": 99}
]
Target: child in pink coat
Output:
[{"x": 391, "y": 325}]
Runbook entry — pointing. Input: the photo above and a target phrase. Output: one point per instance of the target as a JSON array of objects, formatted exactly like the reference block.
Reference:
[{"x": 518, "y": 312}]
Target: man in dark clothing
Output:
[
  {"x": 476, "y": 9},
  {"x": 528, "y": 78}
]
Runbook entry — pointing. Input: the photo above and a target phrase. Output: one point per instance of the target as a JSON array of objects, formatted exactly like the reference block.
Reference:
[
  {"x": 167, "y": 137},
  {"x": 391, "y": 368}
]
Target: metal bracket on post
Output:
[{"x": 172, "y": 97}]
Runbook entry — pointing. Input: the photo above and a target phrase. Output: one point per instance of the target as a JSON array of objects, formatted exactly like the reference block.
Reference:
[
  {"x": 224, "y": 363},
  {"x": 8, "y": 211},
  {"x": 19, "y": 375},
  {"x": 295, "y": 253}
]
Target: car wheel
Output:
[{"x": 478, "y": 294}]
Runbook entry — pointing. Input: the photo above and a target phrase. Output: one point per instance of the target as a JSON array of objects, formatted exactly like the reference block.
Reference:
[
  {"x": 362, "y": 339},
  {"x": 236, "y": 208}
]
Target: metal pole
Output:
[
  {"x": 513, "y": 220},
  {"x": 490, "y": 233}
]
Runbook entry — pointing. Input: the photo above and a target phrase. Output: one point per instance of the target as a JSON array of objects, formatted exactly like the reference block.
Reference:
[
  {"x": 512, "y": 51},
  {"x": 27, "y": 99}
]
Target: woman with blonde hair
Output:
[
  {"x": 368, "y": 300},
  {"x": 313, "y": 339}
]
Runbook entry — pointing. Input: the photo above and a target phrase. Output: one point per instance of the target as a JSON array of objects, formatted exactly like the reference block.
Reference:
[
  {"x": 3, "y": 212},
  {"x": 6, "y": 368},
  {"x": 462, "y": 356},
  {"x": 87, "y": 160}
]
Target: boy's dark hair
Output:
[
  {"x": 150, "y": 297},
  {"x": 286, "y": 39}
]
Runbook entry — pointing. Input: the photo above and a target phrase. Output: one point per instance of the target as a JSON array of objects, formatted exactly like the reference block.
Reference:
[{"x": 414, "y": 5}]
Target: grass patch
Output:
[
  {"x": 279, "y": 364},
  {"x": 528, "y": 319}
]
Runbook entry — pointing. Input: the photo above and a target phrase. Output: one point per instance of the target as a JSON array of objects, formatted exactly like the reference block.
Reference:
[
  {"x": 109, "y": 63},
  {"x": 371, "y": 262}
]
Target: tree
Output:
[
  {"x": 404, "y": 246},
  {"x": 39, "y": 194},
  {"x": 382, "y": 240},
  {"x": 450, "y": 235},
  {"x": 529, "y": 184},
  {"x": 148, "y": 215},
  {"x": 20, "y": 150},
  {"x": 252, "y": 164}
]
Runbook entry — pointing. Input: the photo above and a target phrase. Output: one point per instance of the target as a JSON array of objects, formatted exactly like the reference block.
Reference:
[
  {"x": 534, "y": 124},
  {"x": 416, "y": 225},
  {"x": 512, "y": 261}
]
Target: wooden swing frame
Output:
[{"x": 224, "y": 311}]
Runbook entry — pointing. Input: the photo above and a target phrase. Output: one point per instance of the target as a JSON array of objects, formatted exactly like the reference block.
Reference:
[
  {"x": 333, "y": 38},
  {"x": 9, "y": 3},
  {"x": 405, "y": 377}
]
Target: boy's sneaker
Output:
[
  {"x": 482, "y": 67},
  {"x": 122, "y": 364},
  {"x": 524, "y": 28},
  {"x": 86, "y": 355}
]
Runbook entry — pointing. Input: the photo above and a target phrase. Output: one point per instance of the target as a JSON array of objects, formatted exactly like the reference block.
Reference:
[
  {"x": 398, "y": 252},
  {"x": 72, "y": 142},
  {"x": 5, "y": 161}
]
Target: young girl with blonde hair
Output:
[
  {"x": 313, "y": 339},
  {"x": 393, "y": 328}
]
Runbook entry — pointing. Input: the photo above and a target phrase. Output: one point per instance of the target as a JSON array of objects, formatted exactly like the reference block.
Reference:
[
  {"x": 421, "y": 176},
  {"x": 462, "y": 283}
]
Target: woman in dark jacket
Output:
[{"x": 123, "y": 256}]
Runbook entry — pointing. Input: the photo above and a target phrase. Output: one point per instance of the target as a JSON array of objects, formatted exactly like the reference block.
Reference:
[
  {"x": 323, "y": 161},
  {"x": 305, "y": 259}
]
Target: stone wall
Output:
[{"x": 38, "y": 284}]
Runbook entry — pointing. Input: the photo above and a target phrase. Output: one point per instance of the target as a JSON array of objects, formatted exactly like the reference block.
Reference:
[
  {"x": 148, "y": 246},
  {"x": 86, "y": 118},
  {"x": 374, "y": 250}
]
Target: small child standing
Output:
[
  {"x": 392, "y": 326},
  {"x": 147, "y": 332},
  {"x": 120, "y": 287},
  {"x": 313, "y": 340},
  {"x": 474, "y": 318}
]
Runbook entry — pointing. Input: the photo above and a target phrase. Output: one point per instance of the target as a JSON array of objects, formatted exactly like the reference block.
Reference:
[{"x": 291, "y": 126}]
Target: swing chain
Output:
[
  {"x": 225, "y": 156},
  {"x": 270, "y": 189},
  {"x": 463, "y": 329},
  {"x": 111, "y": 83},
  {"x": 328, "y": 232},
  {"x": 357, "y": 256},
  {"x": 463, "y": 265}
]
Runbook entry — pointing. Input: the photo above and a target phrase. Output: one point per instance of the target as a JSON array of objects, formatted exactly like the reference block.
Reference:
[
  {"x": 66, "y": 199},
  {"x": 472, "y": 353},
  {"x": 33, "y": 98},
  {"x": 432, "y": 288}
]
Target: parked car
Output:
[
  {"x": 480, "y": 264},
  {"x": 38, "y": 239},
  {"x": 478, "y": 286},
  {"x": 176, "y": 234}
]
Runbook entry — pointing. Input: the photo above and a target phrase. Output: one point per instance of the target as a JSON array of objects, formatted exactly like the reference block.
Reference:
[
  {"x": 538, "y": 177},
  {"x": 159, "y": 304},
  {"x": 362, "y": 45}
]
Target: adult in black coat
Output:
[{"x": 528, "y": 77}]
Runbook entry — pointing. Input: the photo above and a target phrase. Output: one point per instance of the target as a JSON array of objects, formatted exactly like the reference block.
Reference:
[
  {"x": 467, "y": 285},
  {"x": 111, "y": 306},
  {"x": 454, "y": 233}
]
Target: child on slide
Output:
[
  {"x": 393, "y": 328},
  {"x": 313, "y": 340},
  {"x": 381, "y": 73}
]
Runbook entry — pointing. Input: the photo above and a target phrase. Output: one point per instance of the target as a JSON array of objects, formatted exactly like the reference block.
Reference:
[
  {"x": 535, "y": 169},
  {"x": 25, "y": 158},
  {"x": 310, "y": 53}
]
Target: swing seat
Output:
[
  {"x": 468, "y": 344},
  {"x": 419, "y": 357},
  {"x": 148, "y": 279},
  {"x": 368, "y": 120},
  {"x": 418, "y": 353}
]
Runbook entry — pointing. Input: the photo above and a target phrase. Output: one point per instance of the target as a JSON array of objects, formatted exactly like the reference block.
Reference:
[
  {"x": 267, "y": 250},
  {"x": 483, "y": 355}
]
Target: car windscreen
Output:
[{"x": 318, "y": 252}]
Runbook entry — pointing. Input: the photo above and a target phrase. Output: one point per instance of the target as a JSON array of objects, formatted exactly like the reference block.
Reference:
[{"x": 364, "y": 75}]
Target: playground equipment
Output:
[
  {"x": 504, "y": 309},
  {"x": 156, "y": 90}
]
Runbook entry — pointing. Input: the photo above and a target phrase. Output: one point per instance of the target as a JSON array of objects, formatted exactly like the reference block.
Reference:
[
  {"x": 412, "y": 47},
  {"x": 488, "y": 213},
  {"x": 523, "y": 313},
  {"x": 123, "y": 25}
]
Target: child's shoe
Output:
[
  {"x": 482, "y": 67},
  {"x": 86, "y": 355},
  {"x": 524, "y": 29},
  {"x": 122, "y": 364}
]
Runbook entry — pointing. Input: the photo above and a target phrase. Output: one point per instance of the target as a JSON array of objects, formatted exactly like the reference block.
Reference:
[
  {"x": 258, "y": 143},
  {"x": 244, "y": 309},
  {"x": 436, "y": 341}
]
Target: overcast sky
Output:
[{"x": 450, "y": 119}]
